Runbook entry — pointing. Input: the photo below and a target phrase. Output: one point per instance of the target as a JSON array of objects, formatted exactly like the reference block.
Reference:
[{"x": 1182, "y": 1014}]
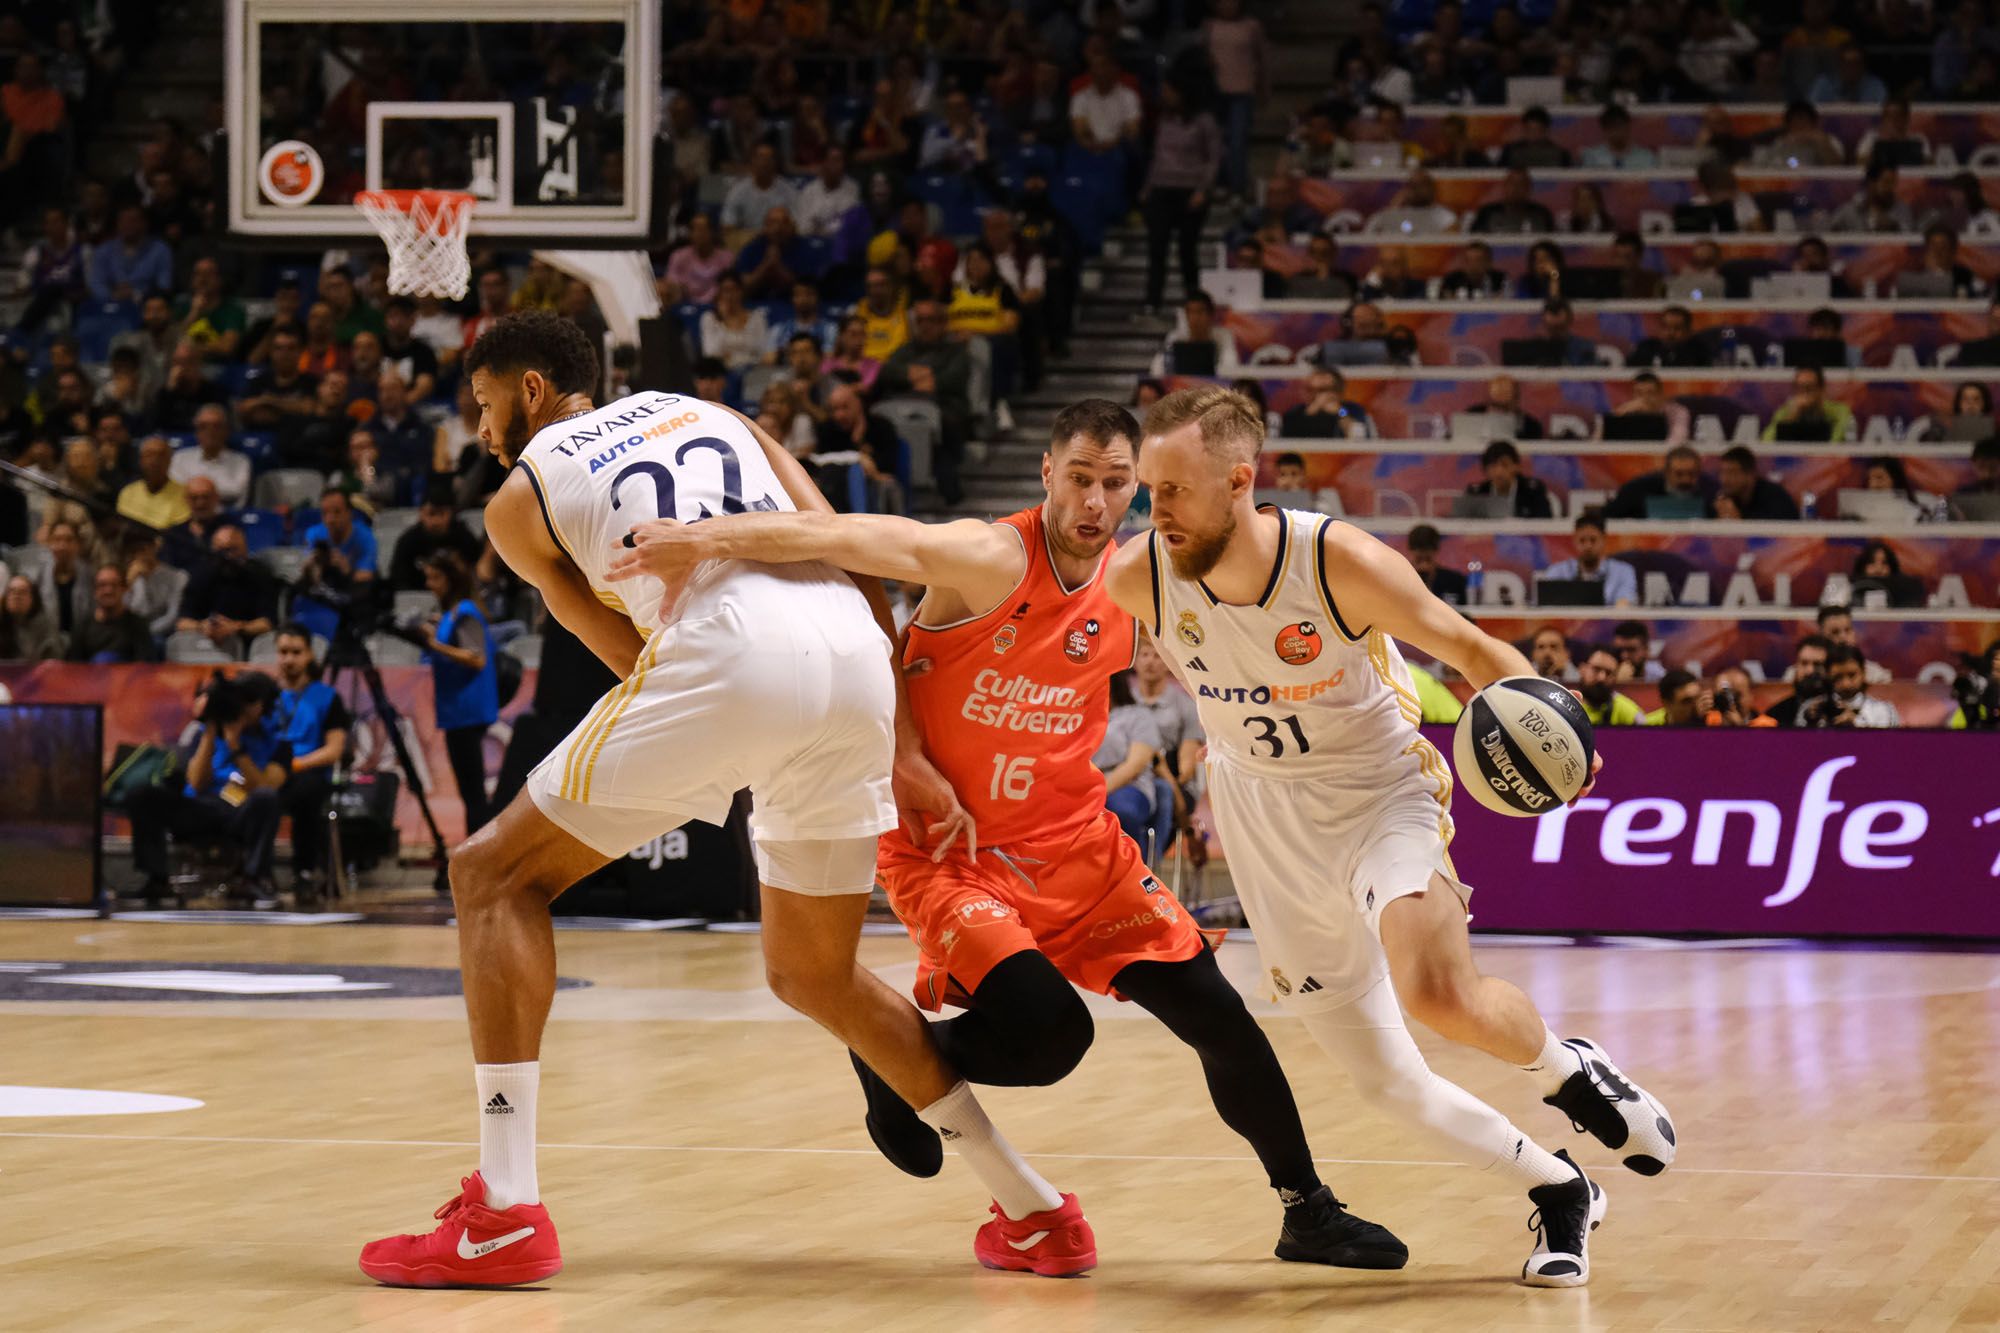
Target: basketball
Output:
[{"x": 1523, "y": 746}]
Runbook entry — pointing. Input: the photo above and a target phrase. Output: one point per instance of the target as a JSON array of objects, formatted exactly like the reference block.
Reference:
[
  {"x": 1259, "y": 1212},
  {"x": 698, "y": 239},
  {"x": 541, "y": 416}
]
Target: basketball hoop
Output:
[{"x": 425, "y": 232}]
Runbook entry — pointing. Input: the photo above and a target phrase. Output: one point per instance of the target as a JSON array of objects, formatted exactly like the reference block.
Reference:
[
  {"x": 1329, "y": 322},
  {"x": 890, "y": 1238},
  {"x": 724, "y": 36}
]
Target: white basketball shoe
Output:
[{"x": 1600, "y": 1100}]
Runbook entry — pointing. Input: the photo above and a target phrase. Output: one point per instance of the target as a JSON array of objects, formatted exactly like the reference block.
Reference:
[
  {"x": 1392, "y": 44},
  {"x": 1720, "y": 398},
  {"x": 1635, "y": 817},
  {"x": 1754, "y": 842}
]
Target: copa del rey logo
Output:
[{"x": 1646, "y": 831}]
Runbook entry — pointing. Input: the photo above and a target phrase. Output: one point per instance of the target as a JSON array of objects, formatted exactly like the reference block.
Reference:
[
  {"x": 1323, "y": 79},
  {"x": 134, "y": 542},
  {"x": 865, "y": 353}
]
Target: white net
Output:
[{"x": 425, "y": 232}]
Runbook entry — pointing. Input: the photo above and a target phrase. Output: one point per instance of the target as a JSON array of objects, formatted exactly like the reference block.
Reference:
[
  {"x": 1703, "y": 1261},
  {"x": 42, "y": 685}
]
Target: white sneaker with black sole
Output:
[
  {"x": 1601, "y": 1101},
  {"x": 1563, "y": 1219}
]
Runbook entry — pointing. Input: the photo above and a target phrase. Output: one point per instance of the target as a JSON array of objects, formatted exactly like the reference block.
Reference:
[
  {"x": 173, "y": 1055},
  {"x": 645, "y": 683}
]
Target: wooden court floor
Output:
[{"x": 705, "y": 1163}]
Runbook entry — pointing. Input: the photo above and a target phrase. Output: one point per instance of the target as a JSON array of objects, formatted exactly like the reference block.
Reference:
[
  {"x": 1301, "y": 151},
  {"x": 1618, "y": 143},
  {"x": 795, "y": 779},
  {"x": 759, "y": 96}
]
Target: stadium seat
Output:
[
  {"x": 97, "y": 323},
  {"x": 289, "y": 488},
  {"x": 756, "y": 380},
  {"x": 919, "y": 426},
  {"x": 260, "y": 446},
  {"x": 191, "y": 645},
  {"x": 286, "y": 563},
  {"x": 262, "y": 528},
  {"x": 390, "y": 525}
]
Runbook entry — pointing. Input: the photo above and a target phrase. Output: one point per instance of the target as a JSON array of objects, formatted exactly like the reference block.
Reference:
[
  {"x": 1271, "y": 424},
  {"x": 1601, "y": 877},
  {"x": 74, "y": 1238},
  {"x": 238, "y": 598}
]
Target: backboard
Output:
[{"x": 549, "y": 123}]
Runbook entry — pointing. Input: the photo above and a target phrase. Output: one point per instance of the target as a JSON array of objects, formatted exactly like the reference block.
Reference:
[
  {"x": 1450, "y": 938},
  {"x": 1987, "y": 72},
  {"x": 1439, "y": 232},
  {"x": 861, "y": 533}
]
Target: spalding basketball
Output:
[{"x": 1523, "y": 746}]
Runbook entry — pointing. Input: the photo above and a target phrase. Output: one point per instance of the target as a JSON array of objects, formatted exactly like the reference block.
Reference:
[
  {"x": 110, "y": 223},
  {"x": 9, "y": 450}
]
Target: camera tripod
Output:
[{"x": 349, "y": 652}]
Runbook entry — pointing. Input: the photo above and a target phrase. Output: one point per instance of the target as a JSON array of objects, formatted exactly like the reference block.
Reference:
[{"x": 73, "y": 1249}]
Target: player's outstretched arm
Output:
[
  {"x": 968, "y": 556},
  {"x": 514, "y": 523},
  {"x": 978, "y": 560},
  {"x": 1374, "y": 587}
]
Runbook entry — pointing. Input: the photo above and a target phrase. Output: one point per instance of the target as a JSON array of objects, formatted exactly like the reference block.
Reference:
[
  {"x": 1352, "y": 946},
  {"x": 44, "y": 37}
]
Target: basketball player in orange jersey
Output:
[
  {"x": 1334, "y": 809},
  {"x": 1008, "y": 669}
]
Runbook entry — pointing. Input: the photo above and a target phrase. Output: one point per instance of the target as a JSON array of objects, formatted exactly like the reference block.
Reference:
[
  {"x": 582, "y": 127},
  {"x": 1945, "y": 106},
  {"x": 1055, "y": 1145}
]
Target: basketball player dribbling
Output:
[
  {"x": 1332, "y": 808},
  {"x": 775, "y": 678},
  {"x": 1008, "y": 668}
]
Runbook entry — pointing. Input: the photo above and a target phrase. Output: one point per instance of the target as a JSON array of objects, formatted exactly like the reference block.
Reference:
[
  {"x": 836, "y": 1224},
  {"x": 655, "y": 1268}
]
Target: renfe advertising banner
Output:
[{"x": 1753, "y": 833}]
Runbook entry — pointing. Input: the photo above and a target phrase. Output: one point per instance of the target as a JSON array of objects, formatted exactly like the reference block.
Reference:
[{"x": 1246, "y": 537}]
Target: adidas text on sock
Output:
[{"x": 507, "y": 1132}]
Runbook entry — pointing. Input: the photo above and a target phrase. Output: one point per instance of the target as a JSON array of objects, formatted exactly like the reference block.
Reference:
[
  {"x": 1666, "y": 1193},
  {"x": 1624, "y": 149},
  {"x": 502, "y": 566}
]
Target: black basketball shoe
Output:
[
  {"x": 897, "y": 1133},
  {"x": 1320, "y": 1231},
  {"x": 1563, "y": 1219},
  {"x": 1601, "y": 1101}
]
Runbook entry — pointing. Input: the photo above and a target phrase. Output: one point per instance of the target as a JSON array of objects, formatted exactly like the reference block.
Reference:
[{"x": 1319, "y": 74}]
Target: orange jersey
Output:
[{"x": 1012, "y": 704}]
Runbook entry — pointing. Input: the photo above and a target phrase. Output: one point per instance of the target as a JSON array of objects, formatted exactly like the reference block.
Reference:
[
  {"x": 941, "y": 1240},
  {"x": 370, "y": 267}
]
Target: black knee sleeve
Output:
[{"x": 1027, "y": 1026}]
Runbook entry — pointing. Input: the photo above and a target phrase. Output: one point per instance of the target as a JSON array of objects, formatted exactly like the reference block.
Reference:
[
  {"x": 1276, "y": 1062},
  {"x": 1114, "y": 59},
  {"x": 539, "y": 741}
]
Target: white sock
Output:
[
  {"x": 1554, "y": 1065},
  {"x": 1015, "y": 1186},
  {"x": 1532, "y": 1164},
  {"x": 507, "y": 1132}
]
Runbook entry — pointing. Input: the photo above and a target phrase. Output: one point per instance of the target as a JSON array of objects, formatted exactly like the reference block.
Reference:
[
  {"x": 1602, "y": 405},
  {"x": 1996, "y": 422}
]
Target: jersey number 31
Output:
[{"x": 1267, "y": 734}]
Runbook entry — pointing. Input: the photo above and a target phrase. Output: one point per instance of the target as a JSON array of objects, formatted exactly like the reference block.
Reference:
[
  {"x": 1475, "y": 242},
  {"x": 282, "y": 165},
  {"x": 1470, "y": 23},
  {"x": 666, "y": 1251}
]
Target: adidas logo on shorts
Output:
[{"x": 1309, "y": 985}]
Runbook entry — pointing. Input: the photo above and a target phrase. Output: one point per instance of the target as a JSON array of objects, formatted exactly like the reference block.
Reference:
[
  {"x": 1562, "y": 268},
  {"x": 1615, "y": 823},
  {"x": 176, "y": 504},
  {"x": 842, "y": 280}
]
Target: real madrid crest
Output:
[{"x": 1189, "y": 630}]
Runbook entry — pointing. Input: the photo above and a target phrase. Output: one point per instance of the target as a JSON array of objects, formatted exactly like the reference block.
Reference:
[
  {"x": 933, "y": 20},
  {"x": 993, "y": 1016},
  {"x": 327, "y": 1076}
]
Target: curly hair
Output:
[{"x": 538, "y": 340}]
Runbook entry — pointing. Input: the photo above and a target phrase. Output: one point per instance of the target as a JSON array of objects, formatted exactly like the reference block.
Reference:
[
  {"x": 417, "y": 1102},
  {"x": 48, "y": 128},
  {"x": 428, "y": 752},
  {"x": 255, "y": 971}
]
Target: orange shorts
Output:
[{"x": 1086, "y": 901}]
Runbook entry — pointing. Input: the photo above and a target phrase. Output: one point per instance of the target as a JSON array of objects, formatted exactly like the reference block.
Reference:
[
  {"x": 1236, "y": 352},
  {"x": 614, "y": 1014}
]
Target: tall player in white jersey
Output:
[
  {"x": 1333, "y": 809},
  {"x": 775, "y": 678}
]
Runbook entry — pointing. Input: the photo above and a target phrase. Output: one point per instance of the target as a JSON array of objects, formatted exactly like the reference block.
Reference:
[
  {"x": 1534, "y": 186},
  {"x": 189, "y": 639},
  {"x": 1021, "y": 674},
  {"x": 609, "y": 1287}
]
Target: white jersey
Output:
[
  {"x": 652, "y": 455},
  {"x": 1285, "y": 687},
  {"x": 771, "y": 677}
]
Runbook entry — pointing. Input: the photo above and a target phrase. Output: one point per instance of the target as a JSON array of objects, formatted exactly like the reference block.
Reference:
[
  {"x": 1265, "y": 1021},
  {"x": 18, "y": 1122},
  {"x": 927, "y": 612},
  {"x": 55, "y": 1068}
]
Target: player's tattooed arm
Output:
[
  {"x": 1374, "y": 587},
  {"x": 514, "y": 523}
]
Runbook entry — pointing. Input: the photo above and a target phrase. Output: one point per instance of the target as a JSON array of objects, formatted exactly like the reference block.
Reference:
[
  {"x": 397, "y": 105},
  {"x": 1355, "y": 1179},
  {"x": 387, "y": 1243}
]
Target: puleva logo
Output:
[
  {"x": 1004, "y": 639},
  {"x": 1298, "y": 644},
  {"x": 1189, "y": 630},
  {"x": 1080, "y": 640}
]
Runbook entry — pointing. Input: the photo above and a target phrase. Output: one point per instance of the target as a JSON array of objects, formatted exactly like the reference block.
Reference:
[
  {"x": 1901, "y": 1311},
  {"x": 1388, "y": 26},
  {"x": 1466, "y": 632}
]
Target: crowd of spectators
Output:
[
  {"x": 857, "y": 227},
  {"x": 1683, "y": 51},
  {"x": 936, "y": 174}
]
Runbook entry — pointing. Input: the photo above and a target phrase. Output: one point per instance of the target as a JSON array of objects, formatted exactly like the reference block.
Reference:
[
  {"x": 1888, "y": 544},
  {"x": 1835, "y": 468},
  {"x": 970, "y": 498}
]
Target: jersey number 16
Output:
[{"x": 1012, "y": 777}]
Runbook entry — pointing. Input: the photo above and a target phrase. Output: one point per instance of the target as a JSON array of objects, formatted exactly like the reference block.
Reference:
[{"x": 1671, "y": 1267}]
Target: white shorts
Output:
[
  {"x": 791, "y": 696},
  {"x": 1314, "y": 867}
]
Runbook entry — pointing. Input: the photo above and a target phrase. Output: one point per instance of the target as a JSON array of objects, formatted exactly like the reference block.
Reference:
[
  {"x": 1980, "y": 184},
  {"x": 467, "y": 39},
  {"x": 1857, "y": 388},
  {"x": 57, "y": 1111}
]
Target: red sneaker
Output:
[
  {"x": 476, "y": 1247},
  {"x": 1056, "y": 1242}
]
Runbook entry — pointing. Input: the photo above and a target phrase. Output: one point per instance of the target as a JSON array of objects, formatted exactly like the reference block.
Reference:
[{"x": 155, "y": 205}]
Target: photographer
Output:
[
  {"x": 1808, "y": 678},
  {"x": 1977, "y": 690},
  {"x": 311, "y": 722},
  {"x": 233, "y": 777},
  {"x": 1847, "y": 704},
  {"x": 460, "y": 652},
  {"x": 1729, "y": 704},
  {"x": 343, "y": 563}
]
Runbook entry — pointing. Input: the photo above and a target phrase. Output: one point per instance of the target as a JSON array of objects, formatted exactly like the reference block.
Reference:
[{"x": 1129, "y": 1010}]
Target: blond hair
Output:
[{"x": 1231, "y": 426}]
